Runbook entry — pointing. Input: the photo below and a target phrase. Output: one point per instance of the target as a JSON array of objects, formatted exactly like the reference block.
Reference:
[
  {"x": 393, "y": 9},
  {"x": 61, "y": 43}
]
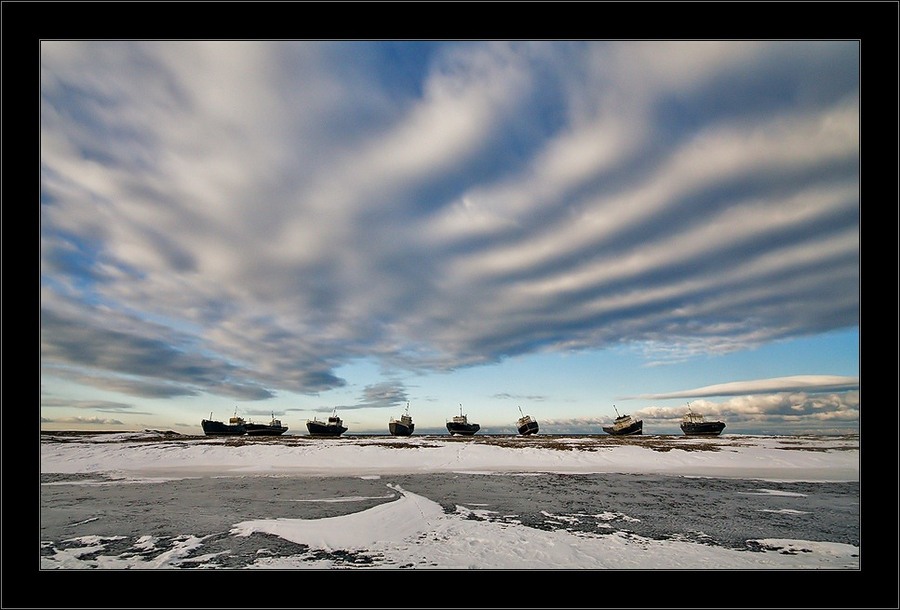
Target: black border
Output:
[{"x": 875, "y": 24}]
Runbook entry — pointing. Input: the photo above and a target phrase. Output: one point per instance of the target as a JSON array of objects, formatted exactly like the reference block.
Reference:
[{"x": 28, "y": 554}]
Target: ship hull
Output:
[
  {"x": 400, "y": 429},
  {"x": 264, "y": 430},
  {"x": 635, "y": 428},
  {"x": 529, "y": 428},
  {"x": 709, "y": 428},
  {"x": 321, "y": 429},
  {"x": 217, "y": 428},
  {"x": 462, "y": 429}
]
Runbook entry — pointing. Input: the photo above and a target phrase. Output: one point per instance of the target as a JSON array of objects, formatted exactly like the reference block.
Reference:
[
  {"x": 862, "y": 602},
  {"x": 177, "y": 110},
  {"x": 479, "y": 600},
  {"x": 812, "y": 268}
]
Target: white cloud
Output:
[{"x": 279, "y": 208}]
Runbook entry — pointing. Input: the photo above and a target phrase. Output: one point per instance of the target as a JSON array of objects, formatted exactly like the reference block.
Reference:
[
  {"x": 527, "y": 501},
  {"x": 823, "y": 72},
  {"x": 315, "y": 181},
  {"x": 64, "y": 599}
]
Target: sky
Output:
[
  {"x": 573, "y": 228},
  {"x": 403, "y": 531}
]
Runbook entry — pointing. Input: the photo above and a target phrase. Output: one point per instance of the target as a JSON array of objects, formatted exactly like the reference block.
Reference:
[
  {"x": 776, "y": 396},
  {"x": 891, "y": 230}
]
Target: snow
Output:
[
  {"x": 764, "y": 457},
  {"x": 414, "y": 531}
]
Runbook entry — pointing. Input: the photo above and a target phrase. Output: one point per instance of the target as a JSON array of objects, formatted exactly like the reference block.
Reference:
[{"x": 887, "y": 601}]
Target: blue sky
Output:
[{"x": 572, "y": 227}]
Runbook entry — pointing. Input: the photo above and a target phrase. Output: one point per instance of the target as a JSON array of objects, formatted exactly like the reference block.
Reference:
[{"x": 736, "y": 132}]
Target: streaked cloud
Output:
[
  {"x": 244, "y": 218},
  {"x": 797, "y": 383},
  {"x": 82, "y": 421}
]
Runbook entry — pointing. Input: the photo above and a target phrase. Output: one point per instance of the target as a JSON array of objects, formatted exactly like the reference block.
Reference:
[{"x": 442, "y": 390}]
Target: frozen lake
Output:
[
  {"x": 158, "y": 502},
  {"x": 122, "y": 517}
]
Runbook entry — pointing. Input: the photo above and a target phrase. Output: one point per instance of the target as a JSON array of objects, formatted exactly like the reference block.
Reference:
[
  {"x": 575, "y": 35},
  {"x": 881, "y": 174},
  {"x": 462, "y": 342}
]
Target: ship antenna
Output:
[
  {"x": 616, "y": 410},
  {"x": 520, "y": 411}
]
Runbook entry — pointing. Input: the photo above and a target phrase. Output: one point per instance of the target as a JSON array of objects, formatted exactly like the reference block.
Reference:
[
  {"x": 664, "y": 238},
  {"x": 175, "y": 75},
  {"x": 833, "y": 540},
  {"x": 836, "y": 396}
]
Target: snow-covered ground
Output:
[
  {"x": 813, "y": 458},
  {"x": 413, "y": 531}
]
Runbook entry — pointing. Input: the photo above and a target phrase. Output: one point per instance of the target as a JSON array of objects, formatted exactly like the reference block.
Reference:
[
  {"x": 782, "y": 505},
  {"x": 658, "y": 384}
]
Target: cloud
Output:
[
  {"x": 520, "y": 397},
  {"x": 93, "y": 421},
  {"x": 92, "y": 405},
  {"x": 837, "y": 412},
  {"x": 796, "y": 383},
  {"x": 388, "y": 394},
  {"x": 244, "y": 218}
]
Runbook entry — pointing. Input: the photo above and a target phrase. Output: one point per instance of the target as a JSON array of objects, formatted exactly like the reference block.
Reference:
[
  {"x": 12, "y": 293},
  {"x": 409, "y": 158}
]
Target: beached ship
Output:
[
  {"x": 333, "y": 427},
  {"x": 624, "y": 425},
  {"x": 526, "y": 425},
  {"x": 273, "y": 428},
  {"x": 693, "y": 424},
  {"x": 460, "y": 426},
  {"x": 236, "y": 426},
  {"x": 403, "y": 426}
]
